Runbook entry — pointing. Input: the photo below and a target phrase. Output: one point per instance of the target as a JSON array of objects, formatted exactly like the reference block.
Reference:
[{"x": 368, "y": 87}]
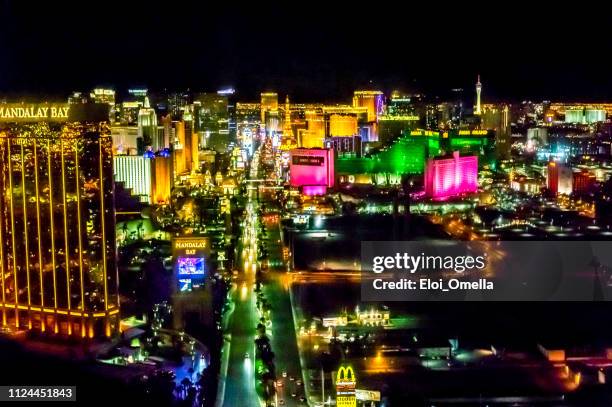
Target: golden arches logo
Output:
[{"x": 345, "y": 374}]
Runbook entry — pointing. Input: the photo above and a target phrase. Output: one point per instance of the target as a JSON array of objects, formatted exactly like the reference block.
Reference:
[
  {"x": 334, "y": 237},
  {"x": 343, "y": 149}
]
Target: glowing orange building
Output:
[
  {"x": 269, "y": 101},
  {"x": 373, "y": 100},
  {"x": 162, "y": 178},
  {"x": 314, "y": 135},
  {"x": 57, "y": 226},
  {"x": 185, "y": 147},
  {"x": 343, "y": 125}
]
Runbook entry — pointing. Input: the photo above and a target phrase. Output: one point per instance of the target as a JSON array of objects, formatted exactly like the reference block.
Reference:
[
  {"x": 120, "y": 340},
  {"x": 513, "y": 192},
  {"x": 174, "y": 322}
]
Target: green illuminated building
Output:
[
  {"x": 475, "y": 142},
  {"x": 408, "y": 154}
]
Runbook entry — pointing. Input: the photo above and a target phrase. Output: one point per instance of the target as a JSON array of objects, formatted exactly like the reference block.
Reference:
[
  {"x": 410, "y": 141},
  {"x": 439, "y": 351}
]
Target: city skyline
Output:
[{"x": 305, "y": 204}]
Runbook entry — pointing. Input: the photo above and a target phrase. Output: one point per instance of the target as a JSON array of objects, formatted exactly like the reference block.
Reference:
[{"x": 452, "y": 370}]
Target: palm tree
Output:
[{"x": 139, "y": 228}]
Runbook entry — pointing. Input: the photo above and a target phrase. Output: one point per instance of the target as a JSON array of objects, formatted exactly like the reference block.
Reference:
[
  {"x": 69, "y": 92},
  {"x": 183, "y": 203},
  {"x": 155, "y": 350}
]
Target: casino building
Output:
[
  {"x": 57, "y": 231},
  {"x": 447, "y": 177}
]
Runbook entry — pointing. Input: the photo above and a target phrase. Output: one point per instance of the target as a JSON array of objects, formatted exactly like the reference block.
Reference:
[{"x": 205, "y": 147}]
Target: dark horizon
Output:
[{"x": 313, "y": 53}]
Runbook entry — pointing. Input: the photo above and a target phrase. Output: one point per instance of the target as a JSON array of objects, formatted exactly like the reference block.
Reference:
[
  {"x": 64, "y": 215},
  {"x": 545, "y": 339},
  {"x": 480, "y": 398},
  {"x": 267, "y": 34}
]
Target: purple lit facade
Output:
[
  {"x": 312, "y": 169},
  {"x": 449, "y": 177},
  {"x": 312, "y": 190},
  {"x": 379, "y": 103}
]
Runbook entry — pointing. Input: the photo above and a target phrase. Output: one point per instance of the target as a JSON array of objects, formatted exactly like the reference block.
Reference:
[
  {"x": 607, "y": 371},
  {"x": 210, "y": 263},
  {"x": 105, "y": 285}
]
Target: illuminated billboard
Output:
[
  {"x": 191, "y": 261},
  {"x": 345, "y": 387},
  {"x": 20, "y": 112},
  {"x": 311, "y": 167},
  {"x": 53, "y": 112},
  {"x": 190, "y": 266}
]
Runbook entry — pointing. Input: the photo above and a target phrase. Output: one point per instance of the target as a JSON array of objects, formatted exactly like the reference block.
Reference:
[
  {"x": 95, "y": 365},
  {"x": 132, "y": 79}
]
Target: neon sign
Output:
[
  {"x": 191, "y": 261},
  {"x": 15, "y": 112},
  {"x": 345, "y": 387},
  {"x": 345, "y": 379},
  {"x": 473, "y": 132},
  {"x": 197, "y": 244},
  {"x": 424, "y": 133}
]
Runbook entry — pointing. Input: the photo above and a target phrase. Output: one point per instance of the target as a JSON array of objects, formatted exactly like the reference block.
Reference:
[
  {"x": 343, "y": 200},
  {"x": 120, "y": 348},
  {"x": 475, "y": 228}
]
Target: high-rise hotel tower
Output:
[{"x": 57, "y": 229}]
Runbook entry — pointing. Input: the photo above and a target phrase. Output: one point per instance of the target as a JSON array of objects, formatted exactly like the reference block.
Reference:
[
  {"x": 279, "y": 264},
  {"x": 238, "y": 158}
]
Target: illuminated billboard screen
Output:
[
  {"x": 316, "y": 161},
  {"x": 185, "y": 284},
  {"x": 311, "y": 167},
  {"x": 191, "y": 261},
  {"x": 191, "y": 266}
]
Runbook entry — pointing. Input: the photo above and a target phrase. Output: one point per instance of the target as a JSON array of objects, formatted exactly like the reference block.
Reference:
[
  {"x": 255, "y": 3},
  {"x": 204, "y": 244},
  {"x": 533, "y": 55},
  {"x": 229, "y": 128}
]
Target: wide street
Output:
[
  {"x": 237, "y": 372},
  {"x": 240, "y": 384},
  {"x": 239, "y": 378},
  {"x": 283, "y": 337}
]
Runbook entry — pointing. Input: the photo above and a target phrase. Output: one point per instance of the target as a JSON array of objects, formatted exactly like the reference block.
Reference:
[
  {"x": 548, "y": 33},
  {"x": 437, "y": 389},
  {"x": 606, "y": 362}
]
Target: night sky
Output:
[{"x": 311, "y": 50}]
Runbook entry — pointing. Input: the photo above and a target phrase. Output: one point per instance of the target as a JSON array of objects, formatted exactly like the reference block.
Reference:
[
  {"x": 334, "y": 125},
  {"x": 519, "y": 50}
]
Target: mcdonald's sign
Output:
[
  {"x": 345, "y": 381},
  {"x": 345, "y": 387}
]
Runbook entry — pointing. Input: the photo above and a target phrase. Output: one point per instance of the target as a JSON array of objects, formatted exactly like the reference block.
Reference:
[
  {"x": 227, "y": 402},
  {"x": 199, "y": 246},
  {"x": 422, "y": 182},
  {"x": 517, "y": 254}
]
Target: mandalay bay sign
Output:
[{"x": 43, "y": 112}]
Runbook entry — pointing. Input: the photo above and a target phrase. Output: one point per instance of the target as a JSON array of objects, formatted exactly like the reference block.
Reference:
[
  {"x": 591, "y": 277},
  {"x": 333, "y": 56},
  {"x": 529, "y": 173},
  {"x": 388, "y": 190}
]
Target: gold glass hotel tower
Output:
[{"x": 57, "y": 234}]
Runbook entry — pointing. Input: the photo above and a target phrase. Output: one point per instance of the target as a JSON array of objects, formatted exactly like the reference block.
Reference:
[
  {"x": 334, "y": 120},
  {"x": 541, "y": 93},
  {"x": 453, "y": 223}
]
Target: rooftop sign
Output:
[{"x": 43, "y": 112}]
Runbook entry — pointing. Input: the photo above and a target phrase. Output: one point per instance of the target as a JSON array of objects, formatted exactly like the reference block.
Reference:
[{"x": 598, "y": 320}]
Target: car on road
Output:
[
  {"x": 302, "y": 399},
  {"x": 284, "y": 374},
  {"x": 246, "y": 355},
  {"x": 166, "y": 374},
  {"x": 298, "y": 382},
  {"x": 291, "y": 378},
  {"x": 281, "y": 402},
  {"x": 279, "y": 383}
]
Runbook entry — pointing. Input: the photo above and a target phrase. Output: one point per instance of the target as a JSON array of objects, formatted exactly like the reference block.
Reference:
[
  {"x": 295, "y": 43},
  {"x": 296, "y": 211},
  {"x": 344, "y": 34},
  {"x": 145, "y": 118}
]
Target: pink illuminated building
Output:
[
  {"x": 312, "y": 170},
  {"x": 448, "y": 177}
]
